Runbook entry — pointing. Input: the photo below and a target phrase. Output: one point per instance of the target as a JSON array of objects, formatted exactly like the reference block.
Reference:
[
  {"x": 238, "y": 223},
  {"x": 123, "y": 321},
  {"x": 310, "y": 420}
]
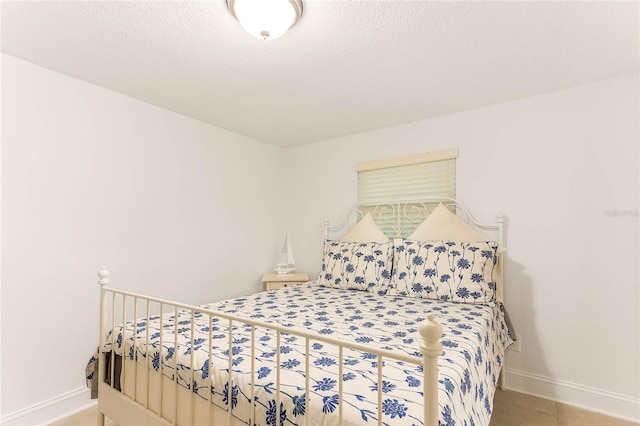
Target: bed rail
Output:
[{"x": 131, "y": 402}]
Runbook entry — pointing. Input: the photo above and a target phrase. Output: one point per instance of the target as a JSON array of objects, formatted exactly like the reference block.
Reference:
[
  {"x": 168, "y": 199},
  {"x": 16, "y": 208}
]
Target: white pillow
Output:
[
  {"x": 365, "y": 231},
  {"x": 441, "y": 224},
  {"x": 444, "y": 225}
]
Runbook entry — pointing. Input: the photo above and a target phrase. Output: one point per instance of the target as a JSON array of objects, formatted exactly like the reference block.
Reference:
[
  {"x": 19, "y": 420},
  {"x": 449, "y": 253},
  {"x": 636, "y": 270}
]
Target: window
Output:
[{"x": 414, "y": 178}]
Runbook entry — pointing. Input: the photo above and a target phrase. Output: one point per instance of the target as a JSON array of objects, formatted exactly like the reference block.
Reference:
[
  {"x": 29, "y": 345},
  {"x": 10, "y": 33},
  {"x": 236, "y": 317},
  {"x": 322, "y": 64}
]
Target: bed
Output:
[{"x": 407, "y": 331}]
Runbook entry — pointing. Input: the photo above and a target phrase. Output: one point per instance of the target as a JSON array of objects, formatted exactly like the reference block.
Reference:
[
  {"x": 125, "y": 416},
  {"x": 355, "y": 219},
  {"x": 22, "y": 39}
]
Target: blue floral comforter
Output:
[{"x": 475, "y": 337}]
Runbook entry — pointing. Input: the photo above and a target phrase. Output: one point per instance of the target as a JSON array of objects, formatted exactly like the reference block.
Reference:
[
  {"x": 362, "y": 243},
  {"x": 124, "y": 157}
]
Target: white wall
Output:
[
  {"x": 92, "y": 178},
  {"x": 555, "y": 164},
  {"x": 173, "y": 206}
]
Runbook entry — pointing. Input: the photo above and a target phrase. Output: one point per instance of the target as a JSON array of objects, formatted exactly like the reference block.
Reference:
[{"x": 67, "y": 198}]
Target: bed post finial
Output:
[
  {"x": 502, "y": 222},
  {"x": 326, "y": 229},
  {"x": 103, "y": 276},
  {"x": 431, "y": 349},
  {"x": 431, "y": 333}
]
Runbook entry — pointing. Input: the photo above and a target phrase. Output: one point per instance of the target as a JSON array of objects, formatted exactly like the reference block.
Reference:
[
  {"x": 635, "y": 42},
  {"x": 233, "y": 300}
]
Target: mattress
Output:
[{"x": 474, "y": 340}]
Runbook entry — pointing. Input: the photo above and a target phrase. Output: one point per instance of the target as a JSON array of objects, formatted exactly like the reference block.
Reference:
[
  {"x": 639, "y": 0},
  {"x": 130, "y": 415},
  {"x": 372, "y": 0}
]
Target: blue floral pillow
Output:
[
  {"x": 444, "y": 270},
  {"x": 358, "y": 266}
]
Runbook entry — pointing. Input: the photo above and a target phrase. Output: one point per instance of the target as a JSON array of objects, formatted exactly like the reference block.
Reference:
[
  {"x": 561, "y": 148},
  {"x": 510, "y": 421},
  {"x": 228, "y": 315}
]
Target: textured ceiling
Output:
[{"x": 345, "y": 68}]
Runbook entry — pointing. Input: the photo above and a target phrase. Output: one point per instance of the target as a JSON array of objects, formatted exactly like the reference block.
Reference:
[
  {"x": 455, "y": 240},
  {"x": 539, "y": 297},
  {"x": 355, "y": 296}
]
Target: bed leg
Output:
[
  {"x": 431, "y": 349},
  {"x": 100, "y": 419}
]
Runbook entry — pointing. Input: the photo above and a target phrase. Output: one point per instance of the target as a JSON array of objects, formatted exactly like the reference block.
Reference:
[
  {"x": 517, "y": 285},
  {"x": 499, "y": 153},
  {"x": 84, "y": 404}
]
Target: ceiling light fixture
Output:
[{"x": 266, "y": 19}]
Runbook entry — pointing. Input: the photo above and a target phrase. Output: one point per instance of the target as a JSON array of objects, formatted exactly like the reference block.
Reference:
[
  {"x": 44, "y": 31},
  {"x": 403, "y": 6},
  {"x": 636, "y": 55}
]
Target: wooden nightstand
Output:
[{"x": 274, "y": 281}]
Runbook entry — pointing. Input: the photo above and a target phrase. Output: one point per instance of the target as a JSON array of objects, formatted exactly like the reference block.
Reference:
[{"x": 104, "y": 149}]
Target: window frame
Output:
[{"x": 383, "y": 198}]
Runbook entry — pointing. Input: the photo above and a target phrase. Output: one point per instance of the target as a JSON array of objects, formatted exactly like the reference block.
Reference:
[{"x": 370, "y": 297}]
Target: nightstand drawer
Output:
[{"x": 275, "y": 281}]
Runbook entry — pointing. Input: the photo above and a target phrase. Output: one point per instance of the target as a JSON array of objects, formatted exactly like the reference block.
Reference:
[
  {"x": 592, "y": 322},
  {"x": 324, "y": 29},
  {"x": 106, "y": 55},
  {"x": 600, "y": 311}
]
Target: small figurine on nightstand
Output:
[
  {"x": 287, "y": 263},
  {"x": 285, "y": 276}
]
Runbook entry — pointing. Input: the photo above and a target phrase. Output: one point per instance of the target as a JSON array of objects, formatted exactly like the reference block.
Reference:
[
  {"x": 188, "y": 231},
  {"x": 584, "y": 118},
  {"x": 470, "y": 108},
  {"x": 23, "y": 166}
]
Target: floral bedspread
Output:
[{"x": 475, "y": 337}]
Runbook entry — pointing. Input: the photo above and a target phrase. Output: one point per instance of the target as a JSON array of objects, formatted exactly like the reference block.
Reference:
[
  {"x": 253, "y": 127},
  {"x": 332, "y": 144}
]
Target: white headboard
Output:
[{"x": 402, "y": 217}]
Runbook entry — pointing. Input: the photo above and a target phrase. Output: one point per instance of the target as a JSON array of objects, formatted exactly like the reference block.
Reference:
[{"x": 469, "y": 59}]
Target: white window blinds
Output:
[{"x": 417, "y": 177}]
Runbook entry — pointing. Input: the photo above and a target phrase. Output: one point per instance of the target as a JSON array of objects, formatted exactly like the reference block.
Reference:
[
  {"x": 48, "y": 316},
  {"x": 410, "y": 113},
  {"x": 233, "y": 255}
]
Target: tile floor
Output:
[
  {"x": 518, "y": 409},
  {"x": 510, "y": 409}
]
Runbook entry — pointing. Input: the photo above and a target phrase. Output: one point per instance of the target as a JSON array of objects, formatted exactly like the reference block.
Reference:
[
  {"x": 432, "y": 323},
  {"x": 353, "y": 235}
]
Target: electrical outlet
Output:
[{"x": 515, "y": 346}]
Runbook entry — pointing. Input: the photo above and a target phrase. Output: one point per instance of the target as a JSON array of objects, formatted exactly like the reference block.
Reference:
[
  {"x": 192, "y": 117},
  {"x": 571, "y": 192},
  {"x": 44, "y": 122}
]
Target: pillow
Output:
[
  {"x": 444, "y": 270},
  {"x": 366, "y": 231},
  {"x": 441, "y": 224},
  {"x": 358, "y": 266}
]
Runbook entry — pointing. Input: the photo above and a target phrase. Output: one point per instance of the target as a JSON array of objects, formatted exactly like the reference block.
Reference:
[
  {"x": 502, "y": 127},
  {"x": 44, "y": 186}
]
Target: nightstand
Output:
[{"x": 274, "y": 281}]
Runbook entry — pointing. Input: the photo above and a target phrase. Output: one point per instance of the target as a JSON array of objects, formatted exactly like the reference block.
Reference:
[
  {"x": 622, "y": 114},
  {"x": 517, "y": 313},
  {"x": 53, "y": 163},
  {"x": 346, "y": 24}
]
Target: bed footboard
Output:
[{"x": 159, "y": 388}]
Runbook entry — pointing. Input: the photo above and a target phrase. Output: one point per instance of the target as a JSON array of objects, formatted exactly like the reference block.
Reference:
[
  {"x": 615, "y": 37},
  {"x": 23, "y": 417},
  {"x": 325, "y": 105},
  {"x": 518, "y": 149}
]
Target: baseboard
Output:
[
  {"x": 51, "y": 410},
  {"x": 588, "y": 398},
  {"x": 609, "y": 403}
]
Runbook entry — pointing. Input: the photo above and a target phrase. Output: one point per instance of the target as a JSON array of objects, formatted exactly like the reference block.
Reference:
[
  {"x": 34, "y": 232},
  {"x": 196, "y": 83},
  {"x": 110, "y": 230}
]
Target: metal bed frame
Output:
[{"x": 131, "y": 402}]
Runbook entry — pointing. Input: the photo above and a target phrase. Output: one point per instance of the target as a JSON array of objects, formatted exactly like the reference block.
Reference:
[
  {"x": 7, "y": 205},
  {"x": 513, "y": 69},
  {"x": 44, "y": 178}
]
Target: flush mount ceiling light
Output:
[{"x": 266, "y": 19}]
